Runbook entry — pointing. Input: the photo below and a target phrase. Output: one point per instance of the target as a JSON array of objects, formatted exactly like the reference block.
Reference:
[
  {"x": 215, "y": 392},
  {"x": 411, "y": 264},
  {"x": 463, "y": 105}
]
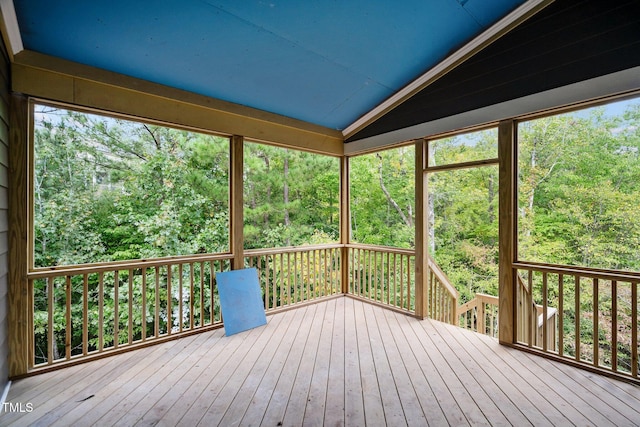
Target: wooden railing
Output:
[
  {"x": 386, "y": 276},
  {"x": 442, "y": 295},
  {"x": 383, "y": 274},
  {"x": 480, "y": 315},
  {"x": 588, "y": 316},
  {"x": 291, "y": 276},
  {"x": 83, "y": 312}
]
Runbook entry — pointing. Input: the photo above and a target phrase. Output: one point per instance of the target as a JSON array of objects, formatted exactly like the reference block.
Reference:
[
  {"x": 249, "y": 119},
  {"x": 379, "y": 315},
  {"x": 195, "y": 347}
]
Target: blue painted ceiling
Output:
[{"x": 326, "y": 62}]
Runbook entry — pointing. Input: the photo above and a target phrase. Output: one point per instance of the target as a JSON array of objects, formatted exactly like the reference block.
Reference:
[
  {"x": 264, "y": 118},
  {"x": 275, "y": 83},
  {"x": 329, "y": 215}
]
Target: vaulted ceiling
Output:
[
  {"x": 323, "y": 61},
  {"x": 366, "y": 68}
]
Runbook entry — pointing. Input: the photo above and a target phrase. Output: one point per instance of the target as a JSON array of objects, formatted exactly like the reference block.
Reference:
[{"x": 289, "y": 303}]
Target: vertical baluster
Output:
[
  {"x": 596, "y": 321},
  {"x": 116, "y": 307},
  {"x": 202, "y": 294},
  {"x": 85, "y": 314},
  {"x": 395, "y": 279},
  {"x": 326, "y": 272},
  {"x": 144, "y": 304},
  {"x": 330, "y": 271},
  {"x": 357, "y": 265},
  {"x": 296, "y": 280},
  {"x": 371, "y": 284},
  {"x": 309, "y": 269},
  {"x": 274, "y": 291},
  {"x": 431, "y": 295},
  {"x": 180, "y": 298},
  {"x": 212, "y": 311},
  {"x": 157, "y": 313},
  {"x": 314, "y": 274},
  {"x": 614, "y": 325},
  {"x": 441, "y": 298},
  {"x": 319, "y": 272},
  {"x": 289, "y": 299},
  {"x": 402, "y": 287},
  {"x": 169, "y": 300},
  {"x": 67, "y": 343},
  {"x": 100, "y": 311},
  {"x": 277, "y": 288},
  {"x": 545, "y": 295},
  {"x": 353, "y": 267},
  {"x": 360, "y": 270},
  {"x": 560, "y": 324},
  {"x": 409, "y": 270},
  {"x": 130, "y": 301},
  {"x": 388, "y": 276},
  {"x": 284, "y": 291},
  {"x": 634, "y": 330},
  {"x": 481, "y": 319},
  {"x": 338, "y": 266},
  {"x": 577, "y": 315},
  {"x": 261, "y": 260},
  {"x": 191, "y": 288},
  {"x": 50, "y": 329},
  {"x": 533, "y": 317},
  {"x": 363, "y": 269},
  {"x": 375, "y": 275}
]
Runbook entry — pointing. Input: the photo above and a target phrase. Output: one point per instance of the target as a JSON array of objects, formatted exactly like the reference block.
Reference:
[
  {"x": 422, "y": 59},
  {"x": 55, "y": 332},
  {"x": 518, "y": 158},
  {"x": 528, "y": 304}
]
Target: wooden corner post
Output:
[
  {"x": 19, "y": 296},
  {"x": 237, "y": 202},
  {"x": 507, "y": 146},
  {"x": 421, "y": 231},
  {"x": 345, "y": 223}
]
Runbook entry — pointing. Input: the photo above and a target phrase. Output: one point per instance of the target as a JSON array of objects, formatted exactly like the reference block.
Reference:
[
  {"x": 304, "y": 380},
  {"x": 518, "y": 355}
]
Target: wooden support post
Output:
[
  {"x": 481, "y": 321},
  {"x": 345, "y": 223},
  {"x": 237, "y": 202},
  {"x": 507, "y": 145},
  {"x": 421, "y": 231},
  {"x": 19, "y": 296}
]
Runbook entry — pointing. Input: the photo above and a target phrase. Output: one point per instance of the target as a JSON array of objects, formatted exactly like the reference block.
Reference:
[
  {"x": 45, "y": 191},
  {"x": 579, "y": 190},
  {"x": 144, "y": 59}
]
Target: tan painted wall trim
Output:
[{"x": 56, "y": 79}]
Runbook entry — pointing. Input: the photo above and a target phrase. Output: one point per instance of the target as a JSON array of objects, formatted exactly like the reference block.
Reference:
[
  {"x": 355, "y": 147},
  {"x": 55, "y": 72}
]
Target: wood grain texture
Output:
[
  {"x": 507, "y": 230},
  {"x": 339, "y": 362},
  {"x": 19, "y": 312},
  {"x": 63, "y": 81}
]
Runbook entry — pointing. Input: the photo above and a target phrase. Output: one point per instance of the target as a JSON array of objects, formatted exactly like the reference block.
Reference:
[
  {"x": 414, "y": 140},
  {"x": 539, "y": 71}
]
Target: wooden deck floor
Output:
[{"x": 339, "y": 362}]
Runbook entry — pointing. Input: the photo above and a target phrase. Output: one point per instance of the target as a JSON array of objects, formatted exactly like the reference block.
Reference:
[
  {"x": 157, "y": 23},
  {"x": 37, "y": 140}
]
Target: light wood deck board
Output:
[{"x": 339, "y": 362}]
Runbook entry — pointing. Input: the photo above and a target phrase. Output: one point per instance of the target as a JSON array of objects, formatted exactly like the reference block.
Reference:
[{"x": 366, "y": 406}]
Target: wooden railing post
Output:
[
  {"x": 507, "y": 209},
  {"x": 345, "y": 223},
  {"x": 481, "y": 321},
  {"x": 421, "y": 232},
  {"x": 19, "y": 296},
  {"x": 237, "y": 202}
]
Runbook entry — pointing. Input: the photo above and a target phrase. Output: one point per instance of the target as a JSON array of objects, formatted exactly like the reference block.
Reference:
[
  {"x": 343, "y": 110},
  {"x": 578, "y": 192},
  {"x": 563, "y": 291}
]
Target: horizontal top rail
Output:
[
  {"x": 462, "y": 165},
  {"x": 42, "y": 273},
  {"x": 290, "y": 249},
  {"x": 442, "y": 278},
  {"x": 478, "y": 299},
  {"x": 633, "y": 277},
  {"x": 379, "y": 248}
]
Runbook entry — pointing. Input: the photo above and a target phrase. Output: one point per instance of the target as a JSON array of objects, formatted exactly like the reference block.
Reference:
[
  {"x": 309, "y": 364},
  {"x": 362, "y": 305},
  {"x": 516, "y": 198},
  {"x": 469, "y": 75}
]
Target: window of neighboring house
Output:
[
  {"x": 579, "y": 187},
  {"x": 107, "y": 189}
]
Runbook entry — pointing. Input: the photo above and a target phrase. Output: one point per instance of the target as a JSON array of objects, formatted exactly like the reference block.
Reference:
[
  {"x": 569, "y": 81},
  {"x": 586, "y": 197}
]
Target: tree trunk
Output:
[
  {"x": 392, "y": 202},
  {"x": 491, "y": 198}
]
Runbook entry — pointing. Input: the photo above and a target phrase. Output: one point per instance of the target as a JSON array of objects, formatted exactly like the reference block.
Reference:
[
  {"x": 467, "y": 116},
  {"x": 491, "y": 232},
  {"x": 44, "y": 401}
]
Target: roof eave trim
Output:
[
  {"x": 506, "y": 24},
  {"x": 10, "y": 27},
  {"x": 591, "y": 90}
]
